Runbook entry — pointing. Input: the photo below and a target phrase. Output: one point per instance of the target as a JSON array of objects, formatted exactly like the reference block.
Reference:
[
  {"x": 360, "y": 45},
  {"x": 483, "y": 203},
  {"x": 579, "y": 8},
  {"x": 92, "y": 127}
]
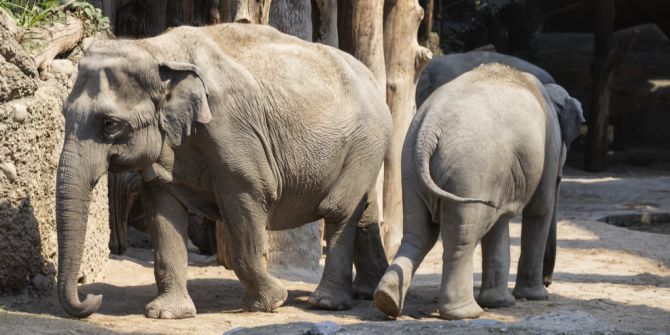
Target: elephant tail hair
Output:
[{"x": 425, "y": 146}]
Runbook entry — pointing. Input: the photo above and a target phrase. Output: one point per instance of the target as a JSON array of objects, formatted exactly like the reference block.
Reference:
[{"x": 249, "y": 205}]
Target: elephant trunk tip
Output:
[{"x": 82, "y": 309}]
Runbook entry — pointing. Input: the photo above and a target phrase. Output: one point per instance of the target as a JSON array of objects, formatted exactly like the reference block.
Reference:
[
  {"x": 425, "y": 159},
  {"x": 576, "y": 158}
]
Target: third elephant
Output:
[{"x": 483, "y": 148}]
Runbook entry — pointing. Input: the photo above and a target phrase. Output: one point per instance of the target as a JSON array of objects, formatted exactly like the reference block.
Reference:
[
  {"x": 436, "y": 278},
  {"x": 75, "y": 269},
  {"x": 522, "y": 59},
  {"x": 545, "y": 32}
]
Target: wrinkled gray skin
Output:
[
  {"x": 125, "y": 203},
  {"x": 444, "y": 69},
  {"x": 238, "y": 123},
  {"x": 483, "y": 148}
]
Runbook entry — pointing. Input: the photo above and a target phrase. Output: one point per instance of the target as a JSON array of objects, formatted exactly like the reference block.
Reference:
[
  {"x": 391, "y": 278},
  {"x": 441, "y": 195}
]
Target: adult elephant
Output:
[
  {"x": 442, "y": 70},
  {"x": 483, "y": 148},
  {"x": 233, "y": 122}
]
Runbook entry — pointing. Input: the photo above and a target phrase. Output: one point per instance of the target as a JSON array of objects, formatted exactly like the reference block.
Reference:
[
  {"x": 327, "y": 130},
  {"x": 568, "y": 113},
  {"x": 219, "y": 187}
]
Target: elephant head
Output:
[
  {"x": 124, "y": 106},
  {"x": 569, "y": 111}
]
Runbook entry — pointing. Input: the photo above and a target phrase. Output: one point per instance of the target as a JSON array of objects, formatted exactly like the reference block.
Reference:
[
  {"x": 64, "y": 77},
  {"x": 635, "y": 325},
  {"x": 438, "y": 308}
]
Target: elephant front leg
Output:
[
  {"x": 495, "y": 265},
  {"x": 167, "y": 225},
  {"x": 245, "y": 222}
]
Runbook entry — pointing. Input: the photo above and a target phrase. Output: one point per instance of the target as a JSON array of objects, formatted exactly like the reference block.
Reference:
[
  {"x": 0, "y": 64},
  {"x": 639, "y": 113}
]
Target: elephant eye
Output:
[{"x": 112, "y": 128}]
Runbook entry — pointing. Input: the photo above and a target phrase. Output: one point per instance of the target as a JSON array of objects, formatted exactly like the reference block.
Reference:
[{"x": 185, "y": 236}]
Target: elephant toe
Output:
[
  {"x": 537, "y": 292},
  {"x": 171, "y": 307},
  {"x": 330, "y": 299},
  {"x": 494, "y": 298}
]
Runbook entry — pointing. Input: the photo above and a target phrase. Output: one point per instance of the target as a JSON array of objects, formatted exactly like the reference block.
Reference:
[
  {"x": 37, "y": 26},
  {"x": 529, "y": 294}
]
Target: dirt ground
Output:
[{"x": 608, "y": 280}]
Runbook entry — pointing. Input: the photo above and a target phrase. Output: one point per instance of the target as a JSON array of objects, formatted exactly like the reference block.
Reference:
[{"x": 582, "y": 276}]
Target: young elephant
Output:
[
  {"x": 233, "y": 122},
  {"x": 481, "y": 149}
]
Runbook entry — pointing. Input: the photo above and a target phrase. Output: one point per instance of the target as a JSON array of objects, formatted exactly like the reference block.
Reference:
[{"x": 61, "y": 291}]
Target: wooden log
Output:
[
  {"x": 405, "y": 59},
  {"x": 48, "y": 42}
]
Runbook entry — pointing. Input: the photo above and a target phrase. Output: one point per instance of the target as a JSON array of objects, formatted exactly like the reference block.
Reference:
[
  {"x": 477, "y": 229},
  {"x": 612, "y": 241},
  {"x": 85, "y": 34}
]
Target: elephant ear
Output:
[
  {"x": 184, "y": 101},
  {"x": 569, "y": 111}
]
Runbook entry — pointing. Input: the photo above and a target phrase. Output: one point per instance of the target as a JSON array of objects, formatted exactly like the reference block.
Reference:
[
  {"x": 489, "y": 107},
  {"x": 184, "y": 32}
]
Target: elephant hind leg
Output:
[
  {"x": 369, "y": 257},
  {"x": 536, "y": 223},
  {"x": 461, "y": 227},
  {"x": 335, "y": 290},
  {"x": 495, "y": 265},
  {"x": 419, "y": 236}
]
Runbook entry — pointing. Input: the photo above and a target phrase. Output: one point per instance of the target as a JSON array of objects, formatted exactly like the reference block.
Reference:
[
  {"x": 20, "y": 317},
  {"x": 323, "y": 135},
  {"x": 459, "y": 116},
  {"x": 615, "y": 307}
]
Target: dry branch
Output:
[
  {"x": 49, "y": 41},
  {"x": 405, "y": 59}
]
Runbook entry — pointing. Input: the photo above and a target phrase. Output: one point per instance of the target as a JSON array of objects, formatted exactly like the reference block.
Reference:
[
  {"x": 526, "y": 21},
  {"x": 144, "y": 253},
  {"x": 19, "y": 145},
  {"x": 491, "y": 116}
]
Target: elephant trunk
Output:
[{"x": 74, "y": 185}]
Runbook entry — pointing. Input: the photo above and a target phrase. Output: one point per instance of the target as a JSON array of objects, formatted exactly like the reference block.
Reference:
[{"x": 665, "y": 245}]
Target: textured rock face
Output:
[{"x": 30, "y": 146}]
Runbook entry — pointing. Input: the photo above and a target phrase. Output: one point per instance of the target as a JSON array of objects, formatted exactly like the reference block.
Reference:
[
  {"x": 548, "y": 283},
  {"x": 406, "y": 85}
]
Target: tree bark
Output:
[
  {"x": 426, "y": 26},
  {"x": 156, "y": 17},
  {"x": 405, "y": 60},
  {"x": 49, "y": 41},
  {"x": 326, "y": 15},
  {"x": 595, "y": 158},
  {"x": 293, "y": 17},
  {"x": 252, "y": 11}
]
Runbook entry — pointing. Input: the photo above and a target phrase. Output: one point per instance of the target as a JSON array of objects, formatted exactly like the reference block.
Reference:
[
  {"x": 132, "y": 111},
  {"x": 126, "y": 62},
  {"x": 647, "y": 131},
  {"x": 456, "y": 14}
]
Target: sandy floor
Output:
[{"x": 619, "y": 276}]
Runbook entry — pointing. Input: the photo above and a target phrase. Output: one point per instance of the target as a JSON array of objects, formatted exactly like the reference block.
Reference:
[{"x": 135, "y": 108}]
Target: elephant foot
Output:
[
  {"x": 171, "y": 306},
  {"x": 388, "y": 295},
  {"x": 495, "y": 297},
  {"x": 537, "y": 292},
  {"x": 364, "y": 286},
  {"x": 331, "y": 297},
  {"x": 468, "y": 311},
  {"x": 266, "y": 299}
]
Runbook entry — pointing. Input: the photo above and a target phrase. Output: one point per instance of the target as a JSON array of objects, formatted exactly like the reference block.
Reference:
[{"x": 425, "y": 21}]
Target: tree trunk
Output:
[
  {"x": 49, "y": 41},
  {"x": 596, "y": 148},
  {"x": 362, "y": 35},
  {"x": 293, "y": 17},
  {"x": 326, "y": 16},
  {"x": 405, "y": 60},
  {"x": 426, "y": 26},
  {"x": 252, "y": 11},
  {"x": 180, "y": 12},
  {"x": 155, "y": 17}
]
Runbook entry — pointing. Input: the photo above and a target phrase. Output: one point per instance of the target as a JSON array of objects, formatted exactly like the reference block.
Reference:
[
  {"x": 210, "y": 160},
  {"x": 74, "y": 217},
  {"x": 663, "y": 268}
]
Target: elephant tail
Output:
[{"x": 425, "y": 146}]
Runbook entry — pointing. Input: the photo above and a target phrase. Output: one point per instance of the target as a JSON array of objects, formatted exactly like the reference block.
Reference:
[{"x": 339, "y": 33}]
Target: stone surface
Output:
[
  {"x": 28, "y": 240},
  {"x": 324, "y": 328},
  {"x": 559, "y": 322},
  {"x": 20, "y": 112},
  {"x": 64, "y": 66},
  {"x": 17, "y": 69}
]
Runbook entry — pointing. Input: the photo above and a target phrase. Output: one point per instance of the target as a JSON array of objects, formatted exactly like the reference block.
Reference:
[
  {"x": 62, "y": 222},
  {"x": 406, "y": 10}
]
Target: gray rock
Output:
[
  {"x": 236, "y": 330},
  {"x": 64, "y": 66},
  {"x": 10, "y": 171},
  {"x": 86, "y": 43},
  {"x": 40, "y": 282},
  {"x": 324, "y": 328},
  {"x": 20, "y": 112}
]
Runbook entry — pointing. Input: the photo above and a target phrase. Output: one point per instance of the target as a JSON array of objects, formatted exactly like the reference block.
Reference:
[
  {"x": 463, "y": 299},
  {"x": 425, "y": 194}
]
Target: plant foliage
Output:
[{"x": 36, "y": 13}]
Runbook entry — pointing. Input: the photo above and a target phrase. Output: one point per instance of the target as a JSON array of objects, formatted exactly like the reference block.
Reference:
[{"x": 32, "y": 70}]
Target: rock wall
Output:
[{"x": 31, "y": 138}]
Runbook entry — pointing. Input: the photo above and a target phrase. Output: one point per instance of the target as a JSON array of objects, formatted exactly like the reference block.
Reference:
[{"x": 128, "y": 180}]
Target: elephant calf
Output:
[
  {"x": 237, "y": 123},
  {"x": 481, "y": 149}
]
